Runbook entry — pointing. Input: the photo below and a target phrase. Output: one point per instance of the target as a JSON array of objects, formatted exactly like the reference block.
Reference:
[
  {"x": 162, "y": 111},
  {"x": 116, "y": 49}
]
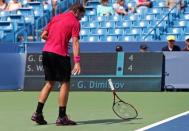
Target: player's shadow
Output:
[{"x": 107, "y": 121}]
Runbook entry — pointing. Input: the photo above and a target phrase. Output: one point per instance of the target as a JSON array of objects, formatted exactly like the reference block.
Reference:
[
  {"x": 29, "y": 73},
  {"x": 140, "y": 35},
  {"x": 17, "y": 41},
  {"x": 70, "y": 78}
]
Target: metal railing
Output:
[{"x": 167, "y": 15}]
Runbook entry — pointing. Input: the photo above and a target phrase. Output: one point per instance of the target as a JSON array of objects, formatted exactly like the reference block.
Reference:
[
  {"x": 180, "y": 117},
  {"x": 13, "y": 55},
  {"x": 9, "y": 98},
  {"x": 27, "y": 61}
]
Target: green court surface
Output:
[{"x": 91, "y": 110}]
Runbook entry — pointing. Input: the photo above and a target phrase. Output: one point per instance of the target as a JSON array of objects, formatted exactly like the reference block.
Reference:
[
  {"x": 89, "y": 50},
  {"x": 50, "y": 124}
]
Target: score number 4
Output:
[
  {"x": 131, "y": 58},
  {"x": 130, "y": 68}
]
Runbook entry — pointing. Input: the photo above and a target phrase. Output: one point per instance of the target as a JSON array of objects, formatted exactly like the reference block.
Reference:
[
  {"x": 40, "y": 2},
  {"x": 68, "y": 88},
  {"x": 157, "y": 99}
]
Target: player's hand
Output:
[
  {"x": 76, "y": 69},
  {"x": 44, "y": 35}
]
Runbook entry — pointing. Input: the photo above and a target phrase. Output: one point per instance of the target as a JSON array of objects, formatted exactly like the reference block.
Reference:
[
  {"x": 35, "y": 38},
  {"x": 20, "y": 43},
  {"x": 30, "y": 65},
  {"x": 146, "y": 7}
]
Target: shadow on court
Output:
[{"x": 107, "y": 121}]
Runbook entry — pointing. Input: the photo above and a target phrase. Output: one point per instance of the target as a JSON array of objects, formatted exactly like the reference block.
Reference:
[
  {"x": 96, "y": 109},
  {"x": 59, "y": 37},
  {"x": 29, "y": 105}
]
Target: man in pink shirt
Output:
[
  {"x": 143, "y": 3},
  {"x": 56, "y": 60}
]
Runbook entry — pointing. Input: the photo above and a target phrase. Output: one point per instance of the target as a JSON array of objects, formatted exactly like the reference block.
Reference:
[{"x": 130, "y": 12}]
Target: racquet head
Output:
[{"x": 124, "y": 110}]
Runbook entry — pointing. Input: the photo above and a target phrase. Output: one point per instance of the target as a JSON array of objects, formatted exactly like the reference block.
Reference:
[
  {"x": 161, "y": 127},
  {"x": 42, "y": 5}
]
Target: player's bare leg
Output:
[
  {"x": 63, "y": 99},
  {"x": 38, "y": 115},
  {"x": 45, "y": 91}
]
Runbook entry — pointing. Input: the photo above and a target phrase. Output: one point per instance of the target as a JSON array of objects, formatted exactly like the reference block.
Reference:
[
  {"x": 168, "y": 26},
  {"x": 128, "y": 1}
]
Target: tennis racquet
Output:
[{"x": 122, "y": 109}]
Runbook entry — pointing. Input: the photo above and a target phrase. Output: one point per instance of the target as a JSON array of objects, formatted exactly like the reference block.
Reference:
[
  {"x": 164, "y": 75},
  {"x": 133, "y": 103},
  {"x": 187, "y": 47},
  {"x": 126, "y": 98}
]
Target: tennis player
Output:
[{"x": 56, "y": 60}]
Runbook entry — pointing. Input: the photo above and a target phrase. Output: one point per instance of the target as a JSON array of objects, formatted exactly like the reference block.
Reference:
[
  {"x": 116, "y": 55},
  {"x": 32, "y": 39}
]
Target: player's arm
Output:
[
  {"x": 44, "y": 35},
  {"x": 76, "y": 56}
]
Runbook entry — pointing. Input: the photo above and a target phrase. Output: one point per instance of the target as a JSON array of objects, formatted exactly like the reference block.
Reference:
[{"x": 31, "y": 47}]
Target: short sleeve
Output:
[
  {"x": 49, "y": 25},
  {"x": 76, "y": 30}
]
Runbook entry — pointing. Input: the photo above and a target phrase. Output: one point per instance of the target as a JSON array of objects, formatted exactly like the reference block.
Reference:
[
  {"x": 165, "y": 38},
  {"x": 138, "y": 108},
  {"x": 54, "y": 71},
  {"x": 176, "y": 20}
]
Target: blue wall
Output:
[
  {"x": 106, "y": 46},
  {"x": 13, "y": 61},
  {"x": 12, "y": 66}
]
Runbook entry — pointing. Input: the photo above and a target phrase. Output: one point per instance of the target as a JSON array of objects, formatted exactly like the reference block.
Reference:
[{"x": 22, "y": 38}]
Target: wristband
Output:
[{"x": 77, "y": 59}]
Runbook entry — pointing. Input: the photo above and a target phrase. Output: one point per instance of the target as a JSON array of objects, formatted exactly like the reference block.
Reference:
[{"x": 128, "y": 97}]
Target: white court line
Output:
[{"x": 163, "y": 121}]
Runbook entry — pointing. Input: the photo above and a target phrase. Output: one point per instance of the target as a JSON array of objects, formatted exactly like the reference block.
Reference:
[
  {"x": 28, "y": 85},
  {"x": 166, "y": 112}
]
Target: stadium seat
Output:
[
  {"x": 89, "y": 8},
  {"x": 91, "y": 13},
  {"x": 100, "y": 18},
  {"x": 150, "y": 17},
  {"x": 135, "y": 31},
  {"x": 126, "y": 38},
  {"x": 161, "y": 4},
  {"x": 116, "y": 31},
  {"x": 114, "y": 18},
  {"x": 19, "y": 26},
  {"x": 148, "y": 30},
  {"x": 185, "y": 17},
  {"x": 134, "y": 17},
  {"x": 93, "y": 3},
  {"x": 98, "y": 31},
  {"x": 91, "y": 25},
  {"x": 108, "y": 38},
  {"x": 147, "y": 38},
  {"x": 124, "y": 24},
  {"x": 160, "y": 16},
  {"x": 175, "y": 31},
  {"x": 19, "y": 19},
  {"x": 162, "y": 25},
  {"x": 29, "y": 16},
  {"x": 6, "y": 26},
  {"x": 141, "y": 24},
  {"x": 85, "y": 19},
  {"x": 90, "y": 38},
  {"x": 7, "y": 29},
  {"x": 186, "y": 10},
  {"x": 107, "y": 24},
  {"x": 131, "y": 3},
  {"x": 186, "y": 31},
  {"x": 94, "y": 24},
  {"x": 37, "y": 7},
  {"x": 163, "y": 37},
  {"x": 181, "y": 23},
  {"x": 142, "y": 11},
  {"x": 85, "y": 32},
  {"x": 3, "y": 15},
  {"x": 41, "y": 18}
]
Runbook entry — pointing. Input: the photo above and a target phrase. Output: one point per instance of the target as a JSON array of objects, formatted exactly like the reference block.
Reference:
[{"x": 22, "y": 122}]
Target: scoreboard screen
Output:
[
  {"x": 143, "y": 63},
  {"x": 128, "y": 71}
]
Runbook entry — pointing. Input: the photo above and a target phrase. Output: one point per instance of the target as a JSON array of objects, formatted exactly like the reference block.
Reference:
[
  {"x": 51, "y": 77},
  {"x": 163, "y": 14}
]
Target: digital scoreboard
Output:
[
  {"x": 143, "y": 63},
  {"x": 128, "y": 71}
]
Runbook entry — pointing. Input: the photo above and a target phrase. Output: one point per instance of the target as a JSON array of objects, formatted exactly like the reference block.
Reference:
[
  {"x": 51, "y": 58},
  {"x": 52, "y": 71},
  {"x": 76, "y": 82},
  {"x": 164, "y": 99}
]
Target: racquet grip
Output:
[{"x": 111, "y": 84}]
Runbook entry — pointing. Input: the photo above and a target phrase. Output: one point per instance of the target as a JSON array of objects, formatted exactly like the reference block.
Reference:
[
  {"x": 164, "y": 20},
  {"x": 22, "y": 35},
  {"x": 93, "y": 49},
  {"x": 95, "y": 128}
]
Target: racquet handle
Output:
[{"x": 111, "y": 84}]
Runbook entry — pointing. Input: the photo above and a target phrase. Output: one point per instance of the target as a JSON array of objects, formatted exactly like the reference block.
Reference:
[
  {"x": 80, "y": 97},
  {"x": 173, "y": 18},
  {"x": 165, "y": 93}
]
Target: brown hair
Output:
[
  {"x": 103, "y": 1},
  {"x": 77, "y": 7}
]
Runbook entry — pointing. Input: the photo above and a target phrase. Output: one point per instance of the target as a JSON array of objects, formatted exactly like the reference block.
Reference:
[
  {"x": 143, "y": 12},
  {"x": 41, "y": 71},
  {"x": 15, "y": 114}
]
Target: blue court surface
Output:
[{"x": 178, "y": 122}]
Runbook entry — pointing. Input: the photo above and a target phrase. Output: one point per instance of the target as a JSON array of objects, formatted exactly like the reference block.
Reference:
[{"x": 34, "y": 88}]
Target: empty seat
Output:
[
  {"x": 3, "y": 15},
  {"x": 7, "y": 29},
  {"x": 17, "y": 19},
  {"x": 90, "y": 38},
  {"x": 108, "y": 38},
  {"x": 181, "y": 23},
  {"x": 126, "y": 38},
  {"x": 98, "y": 31},
  {"x": 116, "y": 31},
  {"x": 107, "y": 24},
  {"x": 114, "y": 18},
  {"x": 141, "y": 24},
  {"x": 175, "y": 31},
  {"x": 124, "y": 24},
  {"x": 85, "y": 32},
  {"x": 93, "y": 3}
]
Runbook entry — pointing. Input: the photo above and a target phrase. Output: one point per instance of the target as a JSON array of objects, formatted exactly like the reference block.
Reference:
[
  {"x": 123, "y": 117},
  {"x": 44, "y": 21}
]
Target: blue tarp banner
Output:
[
  {"x": 176, "y": 68},
  {"x": 12, "y": 68}
]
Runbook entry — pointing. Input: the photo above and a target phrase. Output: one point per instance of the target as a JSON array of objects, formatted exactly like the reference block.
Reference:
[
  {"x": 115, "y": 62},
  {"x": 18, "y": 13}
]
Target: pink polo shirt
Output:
[{"x": 60, "y": 30}]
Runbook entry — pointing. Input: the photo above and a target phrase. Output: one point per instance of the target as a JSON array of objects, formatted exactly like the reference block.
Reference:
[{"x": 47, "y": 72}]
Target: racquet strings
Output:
[{"x": 124, "y": 110}]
